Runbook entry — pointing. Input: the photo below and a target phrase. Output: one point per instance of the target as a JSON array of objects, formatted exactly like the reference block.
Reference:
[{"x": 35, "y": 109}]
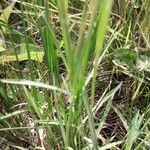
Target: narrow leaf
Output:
[
  {"x": 35, "y": 53},
  {"x": 6, "y": 14}
]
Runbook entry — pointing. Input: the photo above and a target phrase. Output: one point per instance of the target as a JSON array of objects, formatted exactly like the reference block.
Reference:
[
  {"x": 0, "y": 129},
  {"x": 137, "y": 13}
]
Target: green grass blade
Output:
[
  {"x": 110, "y": 97},
  {"x": 134, "y": 130}
]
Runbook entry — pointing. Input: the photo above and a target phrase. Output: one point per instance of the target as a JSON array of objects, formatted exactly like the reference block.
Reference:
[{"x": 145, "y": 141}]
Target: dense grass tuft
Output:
[{"x": 74, "y": 74}]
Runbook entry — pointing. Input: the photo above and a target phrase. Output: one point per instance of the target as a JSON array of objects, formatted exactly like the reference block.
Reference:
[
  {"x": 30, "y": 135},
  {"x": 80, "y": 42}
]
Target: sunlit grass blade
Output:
[
  {"x": 104, "y": 13},
  {"x": 32, "y": 83},
  {"x": 110, "y": 97},
  {"x": 111, "y": 145},
  {"x": 63, "y": 16},
  {"x": 12, "y": 114},
  {"x": 121, "y": 118},
  {"x": 91, "y": 122},
  {"x": 133, "y": 131}
]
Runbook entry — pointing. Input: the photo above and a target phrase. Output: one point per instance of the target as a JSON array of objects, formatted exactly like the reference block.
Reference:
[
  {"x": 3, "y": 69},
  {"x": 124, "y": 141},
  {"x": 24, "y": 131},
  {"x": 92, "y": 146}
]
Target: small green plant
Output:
[{"x": 55, "y": 86}]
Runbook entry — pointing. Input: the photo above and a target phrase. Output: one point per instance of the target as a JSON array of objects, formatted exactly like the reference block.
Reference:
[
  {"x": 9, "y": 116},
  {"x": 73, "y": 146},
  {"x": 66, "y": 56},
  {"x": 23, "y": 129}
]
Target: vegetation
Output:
[{"x": 75, "y": 74}]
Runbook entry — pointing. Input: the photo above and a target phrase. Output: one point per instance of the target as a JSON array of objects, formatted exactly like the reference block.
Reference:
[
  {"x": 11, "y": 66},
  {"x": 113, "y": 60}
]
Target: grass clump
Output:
[{"x": 70, "y": 75}]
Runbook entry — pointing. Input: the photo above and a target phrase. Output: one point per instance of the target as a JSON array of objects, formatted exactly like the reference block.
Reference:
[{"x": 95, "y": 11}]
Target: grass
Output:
[{"x": 74, "y": 97}]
